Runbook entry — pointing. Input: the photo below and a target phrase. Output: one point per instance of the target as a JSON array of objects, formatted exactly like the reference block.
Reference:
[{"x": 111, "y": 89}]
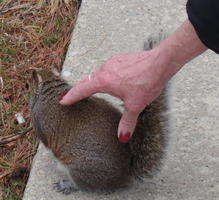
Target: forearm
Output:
[{"x": 179, "y": 48}]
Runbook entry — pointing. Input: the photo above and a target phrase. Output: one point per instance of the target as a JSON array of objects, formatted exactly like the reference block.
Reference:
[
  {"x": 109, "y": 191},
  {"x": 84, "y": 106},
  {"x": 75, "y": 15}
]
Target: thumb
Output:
[
  {"x": 84, "y": 89},
  {"x": 127, "y": 126}
]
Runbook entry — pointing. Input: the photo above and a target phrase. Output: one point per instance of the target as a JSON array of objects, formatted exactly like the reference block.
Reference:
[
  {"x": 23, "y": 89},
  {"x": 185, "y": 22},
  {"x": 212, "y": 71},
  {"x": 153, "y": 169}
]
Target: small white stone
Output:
[
  {"x": 20, "y": 118},
  {"x": 66, "y": 74},
  {"x": 1, "y": 82}
]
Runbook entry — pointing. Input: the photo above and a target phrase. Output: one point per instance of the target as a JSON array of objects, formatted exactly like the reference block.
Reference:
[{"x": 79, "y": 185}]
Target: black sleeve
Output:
[{"x": 204, "y": 16}]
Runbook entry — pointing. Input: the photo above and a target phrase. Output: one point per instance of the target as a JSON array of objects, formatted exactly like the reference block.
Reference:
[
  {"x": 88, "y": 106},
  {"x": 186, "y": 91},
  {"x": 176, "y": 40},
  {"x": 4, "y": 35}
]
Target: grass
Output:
[{"x": 33, "y": 34}]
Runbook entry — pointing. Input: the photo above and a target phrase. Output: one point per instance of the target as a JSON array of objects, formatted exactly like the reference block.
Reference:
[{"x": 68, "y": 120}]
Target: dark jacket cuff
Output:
[{"x": 204, "y": 16}]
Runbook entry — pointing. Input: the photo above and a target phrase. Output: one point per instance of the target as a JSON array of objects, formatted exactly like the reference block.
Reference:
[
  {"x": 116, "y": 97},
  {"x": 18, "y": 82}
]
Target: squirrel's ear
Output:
[
  {"x": 36, "y": 79},
  {"x": 55, "y": 71}
]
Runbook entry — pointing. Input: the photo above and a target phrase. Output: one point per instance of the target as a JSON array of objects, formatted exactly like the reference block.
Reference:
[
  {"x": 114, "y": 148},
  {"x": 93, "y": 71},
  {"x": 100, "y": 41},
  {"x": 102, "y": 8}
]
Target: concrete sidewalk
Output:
[{"x": 191, "y": 170}]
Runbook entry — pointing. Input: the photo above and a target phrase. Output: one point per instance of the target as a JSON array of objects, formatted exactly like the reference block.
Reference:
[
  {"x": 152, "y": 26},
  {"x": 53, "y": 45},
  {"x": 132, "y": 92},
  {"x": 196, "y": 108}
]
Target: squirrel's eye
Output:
[{"x": 27, "y": 85}]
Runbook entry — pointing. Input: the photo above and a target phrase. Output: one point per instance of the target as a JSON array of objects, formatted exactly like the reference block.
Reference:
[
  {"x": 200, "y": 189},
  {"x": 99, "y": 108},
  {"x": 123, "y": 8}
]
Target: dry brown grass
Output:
[{"x": 33, "y": 34}]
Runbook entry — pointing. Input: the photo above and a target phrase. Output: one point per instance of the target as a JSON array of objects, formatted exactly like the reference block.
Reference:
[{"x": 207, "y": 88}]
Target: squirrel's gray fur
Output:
[{"x": 83, "y": 136}]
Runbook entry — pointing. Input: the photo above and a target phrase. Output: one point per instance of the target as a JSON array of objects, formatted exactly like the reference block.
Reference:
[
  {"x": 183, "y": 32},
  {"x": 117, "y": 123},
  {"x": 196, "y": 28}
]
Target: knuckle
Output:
[
  {"x": 128, "y": 122},
  {"x": 102, "y": 82}
]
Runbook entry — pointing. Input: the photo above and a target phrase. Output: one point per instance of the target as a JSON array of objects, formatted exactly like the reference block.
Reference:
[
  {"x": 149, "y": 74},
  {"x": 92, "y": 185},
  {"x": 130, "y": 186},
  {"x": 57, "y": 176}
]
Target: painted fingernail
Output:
[
  {"x": 124, "y": 137},
  {"x": 61, "y": 97}
]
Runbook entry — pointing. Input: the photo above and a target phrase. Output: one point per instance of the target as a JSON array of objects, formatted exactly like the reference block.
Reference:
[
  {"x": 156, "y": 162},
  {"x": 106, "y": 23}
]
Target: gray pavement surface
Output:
[{"x": 191, "y": 169}]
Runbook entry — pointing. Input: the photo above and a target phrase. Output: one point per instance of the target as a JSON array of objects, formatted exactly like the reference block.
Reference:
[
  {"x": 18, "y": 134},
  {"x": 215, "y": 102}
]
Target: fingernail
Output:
[
  {"x": 61, "y": 97},
  {"x": 124, "y": 137}
]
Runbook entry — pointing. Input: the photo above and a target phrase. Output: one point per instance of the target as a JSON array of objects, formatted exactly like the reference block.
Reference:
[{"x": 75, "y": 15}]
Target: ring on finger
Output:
[{"x": 89, "y": 76}]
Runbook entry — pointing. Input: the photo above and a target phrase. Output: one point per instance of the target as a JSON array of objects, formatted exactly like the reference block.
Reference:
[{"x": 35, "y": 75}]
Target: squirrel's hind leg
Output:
[{"x": 65, "y": 186}]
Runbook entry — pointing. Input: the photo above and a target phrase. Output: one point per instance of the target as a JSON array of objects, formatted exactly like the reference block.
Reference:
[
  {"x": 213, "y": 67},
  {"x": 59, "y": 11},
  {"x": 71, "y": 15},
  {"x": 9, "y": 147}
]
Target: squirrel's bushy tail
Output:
[{"x": 150, "y": 136}]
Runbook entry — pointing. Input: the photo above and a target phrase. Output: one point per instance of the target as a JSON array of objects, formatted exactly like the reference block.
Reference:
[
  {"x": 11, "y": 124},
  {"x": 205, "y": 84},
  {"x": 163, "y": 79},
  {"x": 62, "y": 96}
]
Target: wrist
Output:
[{"x": 178, "y": 49}]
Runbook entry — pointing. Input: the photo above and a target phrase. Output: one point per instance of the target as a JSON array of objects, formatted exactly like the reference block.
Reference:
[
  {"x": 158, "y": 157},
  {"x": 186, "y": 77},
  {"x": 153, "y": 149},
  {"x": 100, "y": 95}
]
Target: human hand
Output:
[{"x": 132, "y": 77}]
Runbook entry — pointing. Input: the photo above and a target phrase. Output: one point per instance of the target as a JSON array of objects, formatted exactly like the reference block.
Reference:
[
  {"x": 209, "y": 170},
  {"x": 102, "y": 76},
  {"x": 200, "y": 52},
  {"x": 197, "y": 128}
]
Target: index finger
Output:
[{"x": 82, "y": 90}]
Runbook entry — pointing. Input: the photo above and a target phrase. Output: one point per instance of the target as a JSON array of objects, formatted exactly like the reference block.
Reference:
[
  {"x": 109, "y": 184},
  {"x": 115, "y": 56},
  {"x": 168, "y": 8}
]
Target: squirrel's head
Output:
[
  {"x": 39, "y": 76},
  {"x": 37, "y": 79}
]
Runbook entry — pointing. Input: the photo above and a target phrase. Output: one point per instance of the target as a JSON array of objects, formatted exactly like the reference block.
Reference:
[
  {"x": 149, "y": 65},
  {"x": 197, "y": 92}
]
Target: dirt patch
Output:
[{"x": 33, "y": 34}]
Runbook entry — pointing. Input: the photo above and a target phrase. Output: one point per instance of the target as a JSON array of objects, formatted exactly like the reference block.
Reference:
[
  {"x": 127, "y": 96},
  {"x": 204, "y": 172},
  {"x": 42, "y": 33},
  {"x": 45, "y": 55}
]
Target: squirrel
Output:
[{"x": 83, "y": 136}]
